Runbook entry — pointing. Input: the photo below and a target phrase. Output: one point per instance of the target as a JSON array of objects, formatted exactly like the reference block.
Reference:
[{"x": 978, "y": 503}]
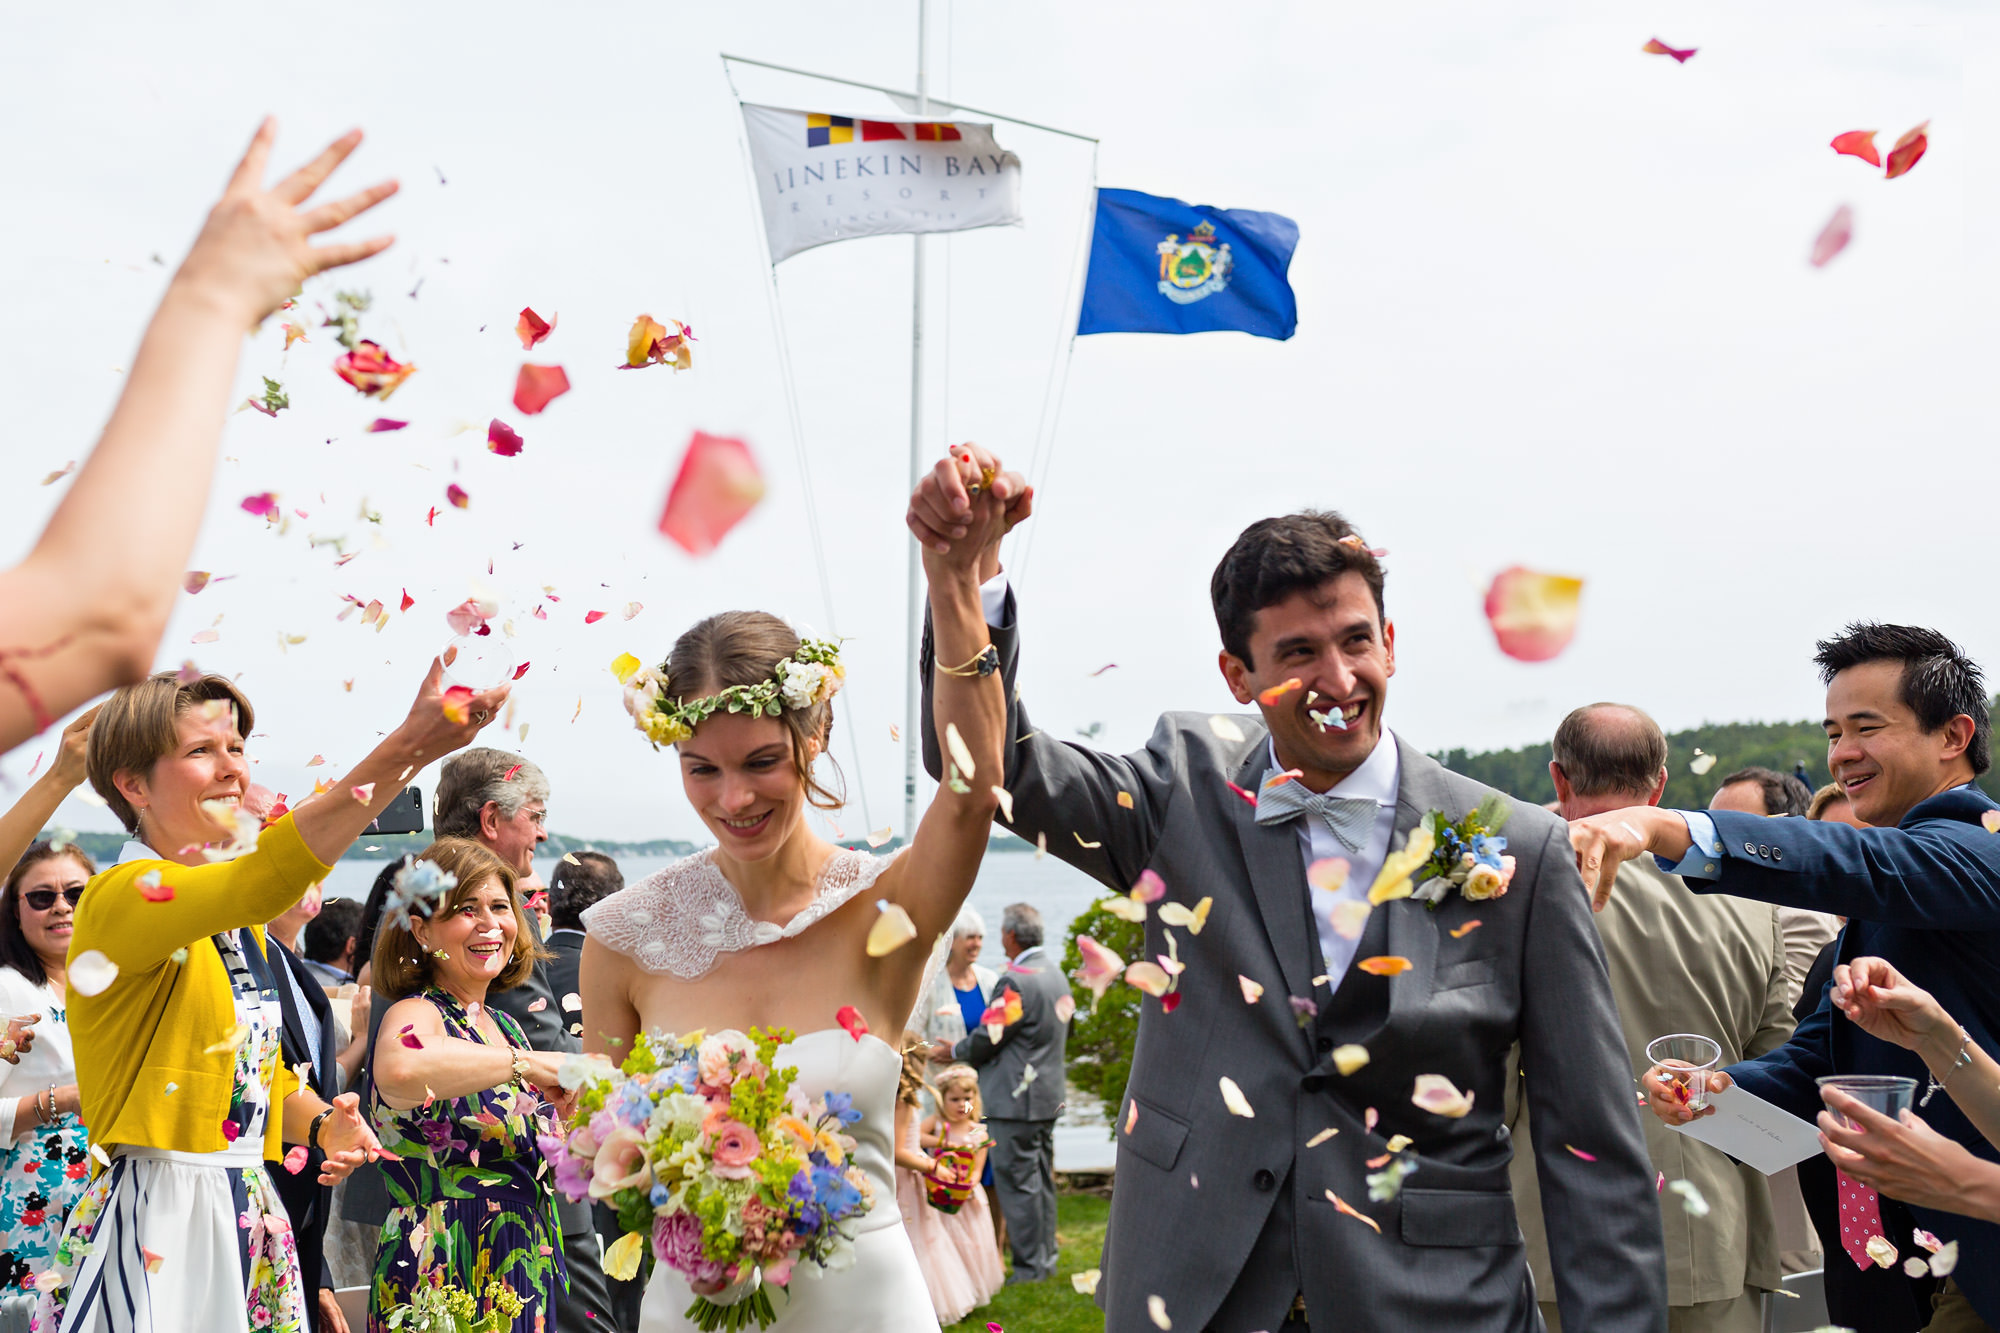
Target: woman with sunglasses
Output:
[{"x": 44, "y": 1153}]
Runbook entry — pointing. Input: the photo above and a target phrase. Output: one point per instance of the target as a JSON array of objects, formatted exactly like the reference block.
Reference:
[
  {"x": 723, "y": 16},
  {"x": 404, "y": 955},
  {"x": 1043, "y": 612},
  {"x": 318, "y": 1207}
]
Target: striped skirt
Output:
[{"x": 169, "y": 1241}]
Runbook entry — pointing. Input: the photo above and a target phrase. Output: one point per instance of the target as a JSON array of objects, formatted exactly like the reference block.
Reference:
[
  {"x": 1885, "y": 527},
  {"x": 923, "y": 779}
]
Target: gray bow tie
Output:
[{"x": 1351, "y": 818}]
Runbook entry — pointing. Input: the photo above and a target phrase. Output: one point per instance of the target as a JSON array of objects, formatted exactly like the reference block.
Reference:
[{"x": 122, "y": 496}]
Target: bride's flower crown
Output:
[{"x": 810, "y": 676}]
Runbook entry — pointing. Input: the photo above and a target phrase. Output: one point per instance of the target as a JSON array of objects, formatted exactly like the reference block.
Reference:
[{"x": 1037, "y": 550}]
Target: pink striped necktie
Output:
[{"x": 1860, "y": 1219}]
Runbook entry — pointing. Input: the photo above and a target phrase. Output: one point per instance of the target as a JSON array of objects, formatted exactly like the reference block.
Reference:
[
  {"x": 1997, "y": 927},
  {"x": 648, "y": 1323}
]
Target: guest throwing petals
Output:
[{"x": 177, "y": 1022}]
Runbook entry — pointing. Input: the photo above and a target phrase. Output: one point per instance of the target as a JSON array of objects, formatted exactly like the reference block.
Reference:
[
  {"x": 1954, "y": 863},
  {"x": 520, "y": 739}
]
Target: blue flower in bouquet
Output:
[
  {"x": 802, "y": 1196},
  {"x": 633, "y": 1106},
  {"x": 841, "y": 1105},
  {"x": 660, "y": 1195},
  {"x": 834, "y": 1192},
  {"x": 1486, "y": 849}
]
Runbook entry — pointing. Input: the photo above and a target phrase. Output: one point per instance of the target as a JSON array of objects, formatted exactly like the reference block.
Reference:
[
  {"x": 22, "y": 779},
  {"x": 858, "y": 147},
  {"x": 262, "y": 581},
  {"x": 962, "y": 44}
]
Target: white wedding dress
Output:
[{"x": 677, "y": 921}]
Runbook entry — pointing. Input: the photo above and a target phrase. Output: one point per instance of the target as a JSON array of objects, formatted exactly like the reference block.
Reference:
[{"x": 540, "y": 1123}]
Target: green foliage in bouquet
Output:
[{"x": 435, "y": 1306}]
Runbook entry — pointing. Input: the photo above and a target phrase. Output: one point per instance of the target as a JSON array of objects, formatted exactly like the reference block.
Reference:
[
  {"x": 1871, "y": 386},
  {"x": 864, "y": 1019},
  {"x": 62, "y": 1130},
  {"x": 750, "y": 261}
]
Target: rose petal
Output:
[
  {"x": 851, "y": 1021},
  {"x": 1436, "y": 1093},
  {"x": 91, "y": 973},
  {"x": 891, "y": 931},
  {"x": 1252, "y": 991},
  {"x": 1858, "y": 143},
  {"x": 1579, "y": 1153},
  {"x": 1269, "y": 698},
  {"x": 457, "y": 704},
  {"x": 263, "y": 505},
  {"x": 1533, "y": 615},
  {"x": 1065, "y": 1007},
  {"x": 61, "y": 472},
  {"x": 539, "y": 1003},
  {"x": 1321, "y": 1137},
  {"x": 1879, "y": 1248},
  {"x": 1233, "y": 1098},
  {"x": 880, "y": 837},
  {"x": 592, "y": 617},
  {"x": 954, "y": 745},
  {"x": 1904, "y": 156},
  {"x": 1125, "y": 909},
  {"x": 1335, "y": 1200},
  {"x": 1384, "y": 965},
  {"x": 372, "y": 371},
  {"x": 1225, "y": 728},
  {"x": 363, "y": 792},
  {"x": 1833, "y": 237},
  {"x": 1460, "y": 932},
  {"x": 1328, "y": 873},
  {"x": 1701, "y": 763},
  {"x": 1990, "y": 821},
  {"x": 572, "y": 1003},
  {"x": 1006, "y": 799},
  {"x": 295, "y": 1158},
  {"x": 382, "y": 424},
  {"x": 1190, "y": 919},
  {"x": 1942, "y": 1263},
  {"x": 1086, "y": 1281},
  {"x": 717, "y": 485},
  {"x": 535, "y": 387},
  {"x": 457, "y": 495},
  {"x": 152, "y": 890},
  {"x": 1125, "y": 800},
  {"x": 502, "y": 440},
  {"x": 1148, "y": 976},
  {"x": 531, "y": 328},
  {"x": 1656, "y": 47}
]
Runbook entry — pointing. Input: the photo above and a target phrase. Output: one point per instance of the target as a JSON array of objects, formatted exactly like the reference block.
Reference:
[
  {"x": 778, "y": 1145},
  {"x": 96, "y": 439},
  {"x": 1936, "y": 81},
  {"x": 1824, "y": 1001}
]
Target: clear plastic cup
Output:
[
  {"x": 10, "y": 1034},
  {"x": 1687, "y": 1058},
  {"x": 1891, "y": 1094},
  {"x": 480, "y": 662}
]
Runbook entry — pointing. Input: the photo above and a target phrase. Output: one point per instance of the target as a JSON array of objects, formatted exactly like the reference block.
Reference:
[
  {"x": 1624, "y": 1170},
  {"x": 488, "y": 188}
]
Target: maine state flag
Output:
[{"x": 1161, "y": 266}]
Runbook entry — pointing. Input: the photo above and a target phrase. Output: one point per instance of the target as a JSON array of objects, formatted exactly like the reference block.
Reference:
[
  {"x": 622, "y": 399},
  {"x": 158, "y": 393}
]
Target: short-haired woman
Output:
[
  {"x": 458, "y": 1098},
  {"x": 174, "y": 1012}
]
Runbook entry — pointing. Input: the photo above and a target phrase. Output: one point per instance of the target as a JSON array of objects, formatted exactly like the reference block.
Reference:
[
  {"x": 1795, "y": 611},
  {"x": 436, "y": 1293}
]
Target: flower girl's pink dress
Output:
[{"x": 957, "y": 1251}]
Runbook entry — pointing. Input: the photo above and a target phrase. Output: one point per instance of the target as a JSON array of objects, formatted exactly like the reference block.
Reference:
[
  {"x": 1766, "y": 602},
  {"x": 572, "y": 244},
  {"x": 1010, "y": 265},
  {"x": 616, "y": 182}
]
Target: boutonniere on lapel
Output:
[{"x": 1441, "y": 855}]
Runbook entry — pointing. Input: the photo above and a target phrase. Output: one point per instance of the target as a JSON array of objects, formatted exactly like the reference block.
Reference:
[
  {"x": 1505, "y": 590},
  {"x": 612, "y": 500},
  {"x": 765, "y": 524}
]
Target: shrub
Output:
[{"x": 1102, "y": 1034}]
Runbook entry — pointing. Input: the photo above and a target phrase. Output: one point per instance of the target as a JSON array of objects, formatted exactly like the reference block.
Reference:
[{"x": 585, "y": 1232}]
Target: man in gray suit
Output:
[
  {"x": 1021, "y": 1085},
  {"x": 1238, "y": 1117},
  {"x": 1680, "y": 962}
]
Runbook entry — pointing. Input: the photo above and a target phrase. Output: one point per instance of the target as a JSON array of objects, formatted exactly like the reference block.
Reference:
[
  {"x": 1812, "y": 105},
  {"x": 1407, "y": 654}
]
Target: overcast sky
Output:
[{"x": 1554, "y": 309}]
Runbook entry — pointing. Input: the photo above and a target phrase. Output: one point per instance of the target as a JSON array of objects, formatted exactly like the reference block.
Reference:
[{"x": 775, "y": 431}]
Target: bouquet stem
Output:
[{"x": 708, "y": 1316}]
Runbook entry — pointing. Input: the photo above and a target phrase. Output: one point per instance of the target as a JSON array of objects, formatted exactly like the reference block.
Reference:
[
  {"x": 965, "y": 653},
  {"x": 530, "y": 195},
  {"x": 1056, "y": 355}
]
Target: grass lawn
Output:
[{"x": 1054, "y": 1306}]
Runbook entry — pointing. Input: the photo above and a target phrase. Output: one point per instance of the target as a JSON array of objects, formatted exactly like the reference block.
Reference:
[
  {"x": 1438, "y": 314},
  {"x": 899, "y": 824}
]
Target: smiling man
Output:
[
  {"x": 1907, "y": 731},
  {"x": 1284, "y": 1065}
]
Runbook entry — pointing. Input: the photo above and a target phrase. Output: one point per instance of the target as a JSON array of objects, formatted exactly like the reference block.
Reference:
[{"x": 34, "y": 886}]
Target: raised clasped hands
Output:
[
  {"x": 964, "y": 506},
  {"x": 254, "y": 251}
]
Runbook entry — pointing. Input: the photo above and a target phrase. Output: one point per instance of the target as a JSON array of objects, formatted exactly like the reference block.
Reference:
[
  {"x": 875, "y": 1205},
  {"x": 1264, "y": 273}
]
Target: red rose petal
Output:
[
  {"x": 531, "y": 328},
  {"x": 263, "y": 506},
  {"x": 502, "y": 439},
  {"x": 592, "y": 617},
  {"x": 1907, "y": 150},
  {"x": 1833, "y": 238},
  {"x": 522, "y": 670},
  {"x": 851, "y": 1021},
  {"x": 456, "y": 494},
  {"x": 408, "y": 601},
  {"x": 373, "y": 371},
  {"x": 536, "y": 386},
  {"x": 1170, "y": 1001},
  {"x": 1858, "y": 143},
  {"x": 381, "y": 424},
  {"x": 717, "y": 485}
]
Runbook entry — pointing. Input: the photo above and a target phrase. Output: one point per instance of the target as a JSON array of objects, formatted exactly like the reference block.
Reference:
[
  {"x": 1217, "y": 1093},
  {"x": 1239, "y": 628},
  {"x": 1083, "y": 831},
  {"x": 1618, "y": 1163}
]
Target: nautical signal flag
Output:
[
  {"x": 824, "y": 130},
  {"x": 1159, "y": 265}
]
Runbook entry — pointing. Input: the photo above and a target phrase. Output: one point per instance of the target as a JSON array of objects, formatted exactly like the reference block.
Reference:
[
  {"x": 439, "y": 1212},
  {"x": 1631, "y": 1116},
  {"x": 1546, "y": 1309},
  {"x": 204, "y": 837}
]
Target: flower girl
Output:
[{"x": 937, "y": 1187}]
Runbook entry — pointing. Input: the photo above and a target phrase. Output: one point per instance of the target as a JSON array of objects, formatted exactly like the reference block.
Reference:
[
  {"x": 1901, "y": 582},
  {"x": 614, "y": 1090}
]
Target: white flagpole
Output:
[{"x": 911, "y": 695}]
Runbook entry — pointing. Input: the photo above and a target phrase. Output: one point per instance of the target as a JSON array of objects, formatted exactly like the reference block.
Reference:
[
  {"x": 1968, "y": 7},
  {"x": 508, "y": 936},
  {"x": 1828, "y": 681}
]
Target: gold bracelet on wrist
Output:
[
  {"x": 982, "y": 663},
  {"x": 519, "y": 1077}
]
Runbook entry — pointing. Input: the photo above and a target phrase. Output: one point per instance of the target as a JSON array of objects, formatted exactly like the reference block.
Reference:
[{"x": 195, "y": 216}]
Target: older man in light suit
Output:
[
  {"x": 1021, "y": 1085},
  {"x": 1249, "y": 1129},
  {"x": 1680, "y": 962}
]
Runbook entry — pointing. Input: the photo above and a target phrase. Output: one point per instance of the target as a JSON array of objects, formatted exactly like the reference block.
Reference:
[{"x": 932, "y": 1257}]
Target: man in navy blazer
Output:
[{"x": 1907, "y": 733}]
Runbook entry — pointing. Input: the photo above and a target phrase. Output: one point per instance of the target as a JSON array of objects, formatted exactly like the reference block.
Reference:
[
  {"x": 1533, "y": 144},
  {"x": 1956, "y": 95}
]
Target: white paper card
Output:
[{"x": 1754, "y": 1132}]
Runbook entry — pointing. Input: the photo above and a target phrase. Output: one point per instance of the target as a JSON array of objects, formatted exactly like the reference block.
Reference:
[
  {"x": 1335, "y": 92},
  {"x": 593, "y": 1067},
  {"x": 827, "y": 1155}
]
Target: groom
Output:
[{"x": 1255, "y": 1212}]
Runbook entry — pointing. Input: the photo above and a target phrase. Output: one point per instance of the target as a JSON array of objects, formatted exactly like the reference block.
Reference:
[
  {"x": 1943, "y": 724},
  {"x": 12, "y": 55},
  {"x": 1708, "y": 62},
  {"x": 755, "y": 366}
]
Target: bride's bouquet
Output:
[{"x": 707, "y": 1154}]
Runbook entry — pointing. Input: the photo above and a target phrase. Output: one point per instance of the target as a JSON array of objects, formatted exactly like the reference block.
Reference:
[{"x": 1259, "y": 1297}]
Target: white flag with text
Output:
[{"x": 823, "y": 177}]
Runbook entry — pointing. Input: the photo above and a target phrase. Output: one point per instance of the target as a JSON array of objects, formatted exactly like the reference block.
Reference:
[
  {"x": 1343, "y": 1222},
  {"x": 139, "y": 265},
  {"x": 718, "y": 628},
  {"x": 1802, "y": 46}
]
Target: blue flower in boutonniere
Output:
[{"x": 1467, "y": 855}]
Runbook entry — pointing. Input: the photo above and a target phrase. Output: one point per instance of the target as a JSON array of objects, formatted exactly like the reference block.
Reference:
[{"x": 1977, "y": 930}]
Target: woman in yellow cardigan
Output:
[{"x": 176, "y": 1021}]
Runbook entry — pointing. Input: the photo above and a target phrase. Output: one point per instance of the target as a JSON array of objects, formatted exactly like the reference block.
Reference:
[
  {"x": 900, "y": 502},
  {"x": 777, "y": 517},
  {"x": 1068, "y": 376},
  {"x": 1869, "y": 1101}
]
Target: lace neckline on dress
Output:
[{"x": 677, "y": 920}]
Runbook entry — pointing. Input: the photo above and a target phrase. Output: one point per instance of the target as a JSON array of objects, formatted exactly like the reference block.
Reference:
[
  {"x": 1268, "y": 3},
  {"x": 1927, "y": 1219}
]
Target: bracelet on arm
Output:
[
  {"x": 49, "y": 1118},
  {"x": 984, "y": 663},
  {"x": 312, "y": 1134},
  {"x": 1960, "y": 1061},
  {"x": 519, "y": 1077}
]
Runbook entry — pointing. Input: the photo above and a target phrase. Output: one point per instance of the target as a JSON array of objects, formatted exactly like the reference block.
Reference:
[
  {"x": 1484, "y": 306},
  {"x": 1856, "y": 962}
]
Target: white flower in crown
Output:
[
  {"x": 803, "y": 684},
  {"x": 643, "y": 693}
]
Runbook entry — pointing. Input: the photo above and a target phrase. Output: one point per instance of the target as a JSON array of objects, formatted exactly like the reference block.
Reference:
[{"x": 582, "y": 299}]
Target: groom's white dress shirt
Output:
[{"x": 1375, "y": 780}]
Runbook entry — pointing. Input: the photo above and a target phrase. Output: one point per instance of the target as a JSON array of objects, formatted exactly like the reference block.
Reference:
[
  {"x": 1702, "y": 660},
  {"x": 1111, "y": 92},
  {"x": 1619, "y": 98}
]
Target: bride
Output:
[{"x": 771, "y": 927}]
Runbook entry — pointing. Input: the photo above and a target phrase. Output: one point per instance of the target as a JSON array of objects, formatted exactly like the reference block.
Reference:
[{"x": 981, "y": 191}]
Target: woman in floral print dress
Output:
[{"x": 453, "y": 1096}]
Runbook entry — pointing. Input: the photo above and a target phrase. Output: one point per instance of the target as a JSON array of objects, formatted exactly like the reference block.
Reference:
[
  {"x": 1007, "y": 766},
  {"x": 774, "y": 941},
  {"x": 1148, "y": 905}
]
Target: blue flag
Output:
[{"x": 1161, "y": 266}]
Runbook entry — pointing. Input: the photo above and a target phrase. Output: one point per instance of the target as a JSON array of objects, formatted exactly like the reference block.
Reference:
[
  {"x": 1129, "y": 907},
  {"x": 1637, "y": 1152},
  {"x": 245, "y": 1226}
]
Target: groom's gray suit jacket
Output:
[{"x": 1225, "y": 1218}]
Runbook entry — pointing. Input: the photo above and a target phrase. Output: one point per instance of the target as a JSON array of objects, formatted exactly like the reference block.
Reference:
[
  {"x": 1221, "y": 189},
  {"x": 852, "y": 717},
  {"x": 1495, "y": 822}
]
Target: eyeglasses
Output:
[{"x": 41, "y": 900}]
